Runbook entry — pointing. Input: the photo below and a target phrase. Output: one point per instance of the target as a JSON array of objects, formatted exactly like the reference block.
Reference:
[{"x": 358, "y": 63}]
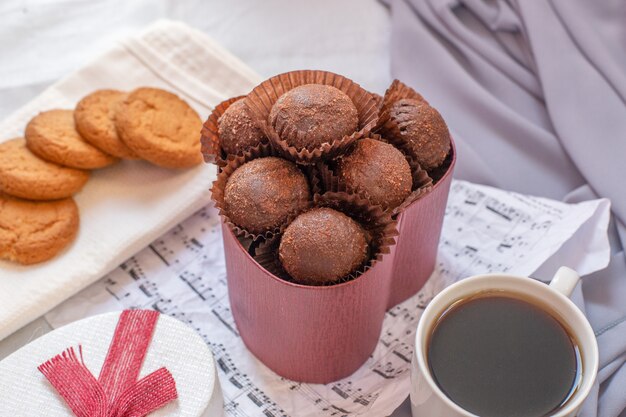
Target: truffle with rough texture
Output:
[
  {"x": 312, "y": 114},
  {"x": 237, "y": 131},
  {"x": 322, "y": 246},
  {"x": 377, "y": 170},
  {"x": 424, "y": 131},
  {"x": 263, "y": 194}
]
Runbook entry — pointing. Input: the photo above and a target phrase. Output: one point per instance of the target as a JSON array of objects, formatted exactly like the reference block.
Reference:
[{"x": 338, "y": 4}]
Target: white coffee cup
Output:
[{"x": 427, "y": 400}]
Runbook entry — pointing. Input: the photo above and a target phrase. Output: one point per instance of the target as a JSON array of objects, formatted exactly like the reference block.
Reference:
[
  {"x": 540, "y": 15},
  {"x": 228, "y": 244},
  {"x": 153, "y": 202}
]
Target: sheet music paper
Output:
[{"x": 183, "y": 274}]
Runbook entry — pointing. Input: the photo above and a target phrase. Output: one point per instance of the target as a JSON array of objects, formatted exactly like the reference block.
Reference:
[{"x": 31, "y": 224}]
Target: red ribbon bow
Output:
[{"x": 117, "y": 392}]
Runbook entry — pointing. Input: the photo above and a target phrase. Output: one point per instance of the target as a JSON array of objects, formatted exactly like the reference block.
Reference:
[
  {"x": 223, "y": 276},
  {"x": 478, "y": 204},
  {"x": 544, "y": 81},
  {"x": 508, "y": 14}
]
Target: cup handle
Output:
[{"x": 565, "y": 280}]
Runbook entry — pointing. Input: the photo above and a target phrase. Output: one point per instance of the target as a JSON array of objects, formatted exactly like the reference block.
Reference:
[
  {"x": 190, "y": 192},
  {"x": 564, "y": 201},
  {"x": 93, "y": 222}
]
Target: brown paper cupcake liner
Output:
[
  {"x": 328, "y": 181},
  {"x": 219, "y": 185},
  {"x": 388, "y": 126},
  {"x": 414, "y": 196},
  {"x": 209, "y": 135},
  {"x": 396, "y": 91},
  {"x": 422, "y": 183},
  {"x": 315, "y": 179},
  {"x": 379, "y": 225},
  {"x": 262, "y": 98},
  {"x": 247, "y": 243},
  {"x": 265, "y": 253},
  {"x": 378, "y": 99}
]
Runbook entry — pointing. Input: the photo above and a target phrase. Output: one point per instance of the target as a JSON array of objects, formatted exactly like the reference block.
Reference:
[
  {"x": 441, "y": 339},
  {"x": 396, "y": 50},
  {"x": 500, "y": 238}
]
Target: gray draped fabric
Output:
[{"x": 535, "y": 95}]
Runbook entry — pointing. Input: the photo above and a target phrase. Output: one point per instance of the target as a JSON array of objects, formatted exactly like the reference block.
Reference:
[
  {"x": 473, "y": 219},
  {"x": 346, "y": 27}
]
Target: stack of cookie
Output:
[{"x": 40, "y": 173}]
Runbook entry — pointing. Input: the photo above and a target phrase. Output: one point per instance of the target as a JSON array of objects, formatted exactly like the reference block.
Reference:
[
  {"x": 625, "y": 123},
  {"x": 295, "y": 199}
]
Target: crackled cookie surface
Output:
[
  {"x": 52, "y": 136},
  {"x": 95, "y": 121},
  {"x": 160, "y": 128},
  {"x": 35, "y": 231},
  {"x": 25, "y": 175}
]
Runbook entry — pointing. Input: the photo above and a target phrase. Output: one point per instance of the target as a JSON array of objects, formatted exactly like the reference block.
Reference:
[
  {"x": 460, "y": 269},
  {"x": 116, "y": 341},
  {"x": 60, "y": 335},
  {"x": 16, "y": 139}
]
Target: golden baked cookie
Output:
[
  {"x": 25, "y": 175},
  {"x": 52, "y": 135},
  {"x": 35, "y": 231},
  {"x": 95, "y": 121},
  {"x": 160, "y": 128}
]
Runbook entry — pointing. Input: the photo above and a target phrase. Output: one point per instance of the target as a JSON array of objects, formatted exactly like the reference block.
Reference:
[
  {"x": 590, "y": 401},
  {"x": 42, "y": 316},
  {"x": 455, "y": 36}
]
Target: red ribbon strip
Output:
[{"x": 117, "y": 392}]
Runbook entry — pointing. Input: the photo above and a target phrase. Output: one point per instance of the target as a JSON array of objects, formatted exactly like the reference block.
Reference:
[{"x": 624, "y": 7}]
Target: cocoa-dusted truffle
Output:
[
  {"x": 237, "y": 131},
  {"x": 322, "y": 246},
  {"x": 378, "y": 170},
  {"x": 263, "y": 194},
  {"x": 424, "y": 130},
  {"x": 313, "y": 114}
]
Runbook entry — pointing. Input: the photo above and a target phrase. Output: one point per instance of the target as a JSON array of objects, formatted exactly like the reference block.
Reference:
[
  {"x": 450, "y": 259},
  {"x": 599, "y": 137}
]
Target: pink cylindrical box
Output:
[
  {"x": 314, "y": 334},
  {"x": 319, "y": 334}
]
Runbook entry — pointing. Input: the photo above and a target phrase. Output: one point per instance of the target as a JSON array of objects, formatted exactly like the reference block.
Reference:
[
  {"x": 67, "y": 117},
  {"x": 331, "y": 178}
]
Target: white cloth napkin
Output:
[{"x": 123, "y": 208}]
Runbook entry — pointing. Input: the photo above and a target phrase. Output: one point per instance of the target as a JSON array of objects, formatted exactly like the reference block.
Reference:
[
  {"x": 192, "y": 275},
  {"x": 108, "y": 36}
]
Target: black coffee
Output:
[{"x": 498, "y": 356}]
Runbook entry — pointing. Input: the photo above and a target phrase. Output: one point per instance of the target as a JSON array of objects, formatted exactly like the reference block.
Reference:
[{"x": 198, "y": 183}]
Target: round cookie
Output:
[
  {"x": 35, "y": 231},
  {"x": 23, "y": 174},
  {"x": 52, "y": 135},
  {"x": 95, "y": 121},
  {"x": 160, "y": 128}
]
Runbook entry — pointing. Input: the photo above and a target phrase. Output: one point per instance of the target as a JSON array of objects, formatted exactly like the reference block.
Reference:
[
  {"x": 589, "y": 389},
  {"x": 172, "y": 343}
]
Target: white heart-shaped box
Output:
[{"x": 25, "y": 392}]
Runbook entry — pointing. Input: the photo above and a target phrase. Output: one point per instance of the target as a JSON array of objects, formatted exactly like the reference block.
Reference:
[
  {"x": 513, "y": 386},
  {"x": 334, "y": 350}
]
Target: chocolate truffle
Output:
[
  {"x": 322, "y": 246},
  {"x": 378, "y": 170},
  {"x": 424, "y": 131},
  {"x": 237, "y": 131},
  {"x": 263, "y": 194},
  {"x": 313, "y": 114}
]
